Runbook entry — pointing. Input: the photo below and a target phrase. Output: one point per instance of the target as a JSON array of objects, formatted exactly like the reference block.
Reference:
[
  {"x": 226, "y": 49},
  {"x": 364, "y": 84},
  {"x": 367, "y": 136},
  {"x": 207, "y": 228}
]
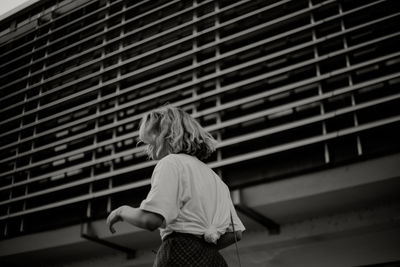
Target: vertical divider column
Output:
[
  {"x": 194, "y": 55},
  {"x": 32, "y": 146},
  {"x": 89, "y": 211},
  {"x": 350, "y": 80},
  {"x": 218, "y": 82},
  {"x": 320, "y": 92}
]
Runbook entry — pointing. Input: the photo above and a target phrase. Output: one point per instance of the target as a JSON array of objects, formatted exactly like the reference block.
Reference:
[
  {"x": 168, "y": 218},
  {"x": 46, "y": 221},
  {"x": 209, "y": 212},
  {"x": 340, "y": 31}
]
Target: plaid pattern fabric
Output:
[{"x": 187, "y": 250}]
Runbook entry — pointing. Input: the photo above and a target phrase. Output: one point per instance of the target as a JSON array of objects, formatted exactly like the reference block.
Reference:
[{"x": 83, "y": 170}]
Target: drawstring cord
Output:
[{"x": 237, "y": 248}]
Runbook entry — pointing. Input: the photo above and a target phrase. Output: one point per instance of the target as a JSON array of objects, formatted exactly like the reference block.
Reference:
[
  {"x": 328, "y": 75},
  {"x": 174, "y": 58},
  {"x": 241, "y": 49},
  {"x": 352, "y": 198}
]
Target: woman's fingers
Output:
[{"x": 112, "y": 219}]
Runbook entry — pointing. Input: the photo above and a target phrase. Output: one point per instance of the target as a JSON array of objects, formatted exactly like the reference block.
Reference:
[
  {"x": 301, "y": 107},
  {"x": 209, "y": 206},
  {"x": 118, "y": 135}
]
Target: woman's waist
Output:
[
  {"x": 187, "y": 238},
  {"x": 180, "y": 234},
  {"x": 183, "y": 228}
]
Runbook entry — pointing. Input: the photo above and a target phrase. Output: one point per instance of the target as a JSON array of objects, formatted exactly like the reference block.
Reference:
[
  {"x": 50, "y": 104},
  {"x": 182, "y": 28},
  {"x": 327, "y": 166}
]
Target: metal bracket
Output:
[
  {"x": 94, "y": 238},
  {"x": 272, "y": 226}
]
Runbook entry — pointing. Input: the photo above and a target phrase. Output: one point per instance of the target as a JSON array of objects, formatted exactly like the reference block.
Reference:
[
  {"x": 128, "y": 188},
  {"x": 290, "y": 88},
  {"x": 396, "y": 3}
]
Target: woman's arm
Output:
[
  {"x": 137, "y": 217},
  {"x": 228, "y": 239}
]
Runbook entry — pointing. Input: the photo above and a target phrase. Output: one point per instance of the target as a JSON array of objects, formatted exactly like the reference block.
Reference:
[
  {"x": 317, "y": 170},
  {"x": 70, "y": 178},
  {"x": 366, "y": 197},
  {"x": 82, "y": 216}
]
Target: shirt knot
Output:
[{"x": 211, "y": 234}]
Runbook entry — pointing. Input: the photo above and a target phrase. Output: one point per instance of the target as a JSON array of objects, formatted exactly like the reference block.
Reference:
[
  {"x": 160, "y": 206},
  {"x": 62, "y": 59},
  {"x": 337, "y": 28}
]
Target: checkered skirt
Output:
[{"x": 180, "y": 249}]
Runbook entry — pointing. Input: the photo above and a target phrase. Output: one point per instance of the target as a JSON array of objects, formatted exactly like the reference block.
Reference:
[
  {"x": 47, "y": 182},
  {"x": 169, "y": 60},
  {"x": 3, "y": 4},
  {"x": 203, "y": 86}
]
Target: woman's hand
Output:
[{"x": 114, "y": 217}]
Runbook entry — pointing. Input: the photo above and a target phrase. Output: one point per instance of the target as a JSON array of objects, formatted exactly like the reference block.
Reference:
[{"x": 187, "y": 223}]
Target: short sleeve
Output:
[{"x": 163, "y": 197}]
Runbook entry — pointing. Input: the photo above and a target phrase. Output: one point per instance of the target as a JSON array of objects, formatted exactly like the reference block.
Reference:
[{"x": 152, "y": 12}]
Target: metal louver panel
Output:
[{"x": 303, "y": 83}]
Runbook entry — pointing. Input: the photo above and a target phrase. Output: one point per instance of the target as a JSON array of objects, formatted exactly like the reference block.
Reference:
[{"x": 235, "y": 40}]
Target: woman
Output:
[{"x": 187, "y": 201}]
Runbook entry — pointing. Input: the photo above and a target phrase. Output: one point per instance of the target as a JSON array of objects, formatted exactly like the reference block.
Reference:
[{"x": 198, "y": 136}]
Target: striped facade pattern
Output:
[{"x": 285, "y": 86}]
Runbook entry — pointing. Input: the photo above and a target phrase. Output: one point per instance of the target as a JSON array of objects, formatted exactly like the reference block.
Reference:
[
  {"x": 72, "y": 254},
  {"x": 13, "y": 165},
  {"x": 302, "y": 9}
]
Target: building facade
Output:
[{"x": 303, "y": 97}]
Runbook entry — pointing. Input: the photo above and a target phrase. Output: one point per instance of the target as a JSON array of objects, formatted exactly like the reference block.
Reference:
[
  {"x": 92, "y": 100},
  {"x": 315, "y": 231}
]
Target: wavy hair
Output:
[{"x": 171, "y": 130}]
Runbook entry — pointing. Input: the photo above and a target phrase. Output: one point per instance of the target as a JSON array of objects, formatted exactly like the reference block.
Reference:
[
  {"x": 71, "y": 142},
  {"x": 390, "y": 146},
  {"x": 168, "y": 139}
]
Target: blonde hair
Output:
[{"x": 171, "y": 130}]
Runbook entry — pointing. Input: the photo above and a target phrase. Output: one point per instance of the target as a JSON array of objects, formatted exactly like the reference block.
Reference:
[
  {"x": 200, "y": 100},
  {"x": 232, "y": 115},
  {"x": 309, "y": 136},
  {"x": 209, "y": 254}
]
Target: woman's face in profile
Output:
[
  {"x": 146, "y": 134},
  {"x": 149, "y": 138}
]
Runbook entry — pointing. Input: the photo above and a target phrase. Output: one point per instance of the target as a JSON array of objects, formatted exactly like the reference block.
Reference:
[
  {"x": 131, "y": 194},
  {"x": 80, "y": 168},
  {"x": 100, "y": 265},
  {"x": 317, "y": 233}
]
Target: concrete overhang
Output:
[{"x": 325, "y": 192}]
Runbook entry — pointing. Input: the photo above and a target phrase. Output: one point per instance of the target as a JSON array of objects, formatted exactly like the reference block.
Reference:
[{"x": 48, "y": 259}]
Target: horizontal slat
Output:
[
  {"x": 125, "y": 36},
  {"x": 160, "y": 63},
  {"x": 207, "y": 112},
  {"x": 221, "y": 125},
  {"x": 305, "y": 142},
  {"x": 212, "y": 76},
  {"x": 170, "y": 74},
  {"x": 79, "y": 199},
  {"x": 78, "y": 55},
  {"x": 318, "y": 81},
  {"x": 119, "y": 38},
  {"x": 46, "y": 46},
  {"x": 221, "y": 163},
  {"x": 231, "y": 141},
  {"x": 191, "y": 68},
  {"x": 47, "y": 24}
]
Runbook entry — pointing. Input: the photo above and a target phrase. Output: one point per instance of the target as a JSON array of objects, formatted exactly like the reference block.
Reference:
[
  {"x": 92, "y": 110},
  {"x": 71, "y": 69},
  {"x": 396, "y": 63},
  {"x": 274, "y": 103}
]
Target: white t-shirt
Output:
[{"x": 191, "y": 197}]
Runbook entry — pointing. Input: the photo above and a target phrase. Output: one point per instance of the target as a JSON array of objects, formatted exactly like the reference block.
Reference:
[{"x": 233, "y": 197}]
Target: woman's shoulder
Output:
[
  {"x": 182, "y": 160},
  {"x": 178, "y": 157},
  {"x": 171, "y": 157}
]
